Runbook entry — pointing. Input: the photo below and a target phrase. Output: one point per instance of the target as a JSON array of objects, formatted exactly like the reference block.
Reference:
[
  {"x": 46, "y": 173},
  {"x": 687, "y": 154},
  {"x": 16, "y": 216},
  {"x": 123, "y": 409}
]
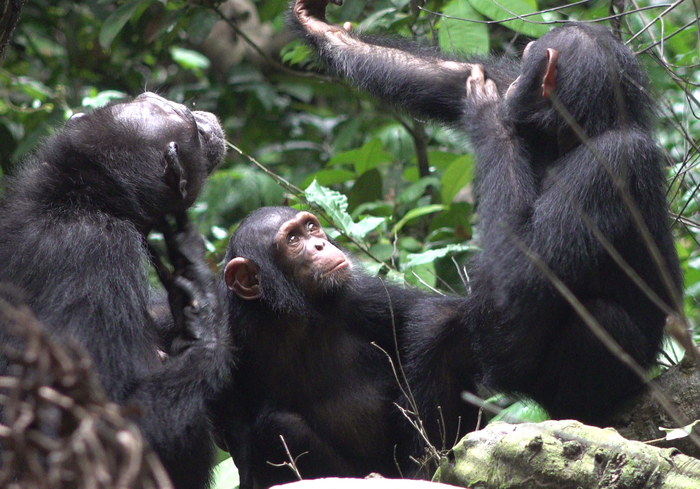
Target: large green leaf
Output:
[
  {"x": 364, "y": 158},
  {"x": 329, "y": 177},
  {"x": 416, "y": 190},
  {"x": 461, "y": 36},
  {"x": 225, "y": 475},
  {"x": 335, "y": 205},
  {"x": 367, "y": 188},
  {"x": 506, "y": 9},
  {"x": 415, "y": 259},
  {"x": 117, "y": 20},
  {"x": 416, "y": 213},
  {"x": 457, "y": 175},
  {"x": 189, "y": 59}
]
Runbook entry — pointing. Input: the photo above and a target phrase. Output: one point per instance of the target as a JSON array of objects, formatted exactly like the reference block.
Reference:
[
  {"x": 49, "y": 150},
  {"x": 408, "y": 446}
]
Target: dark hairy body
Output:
[
  {"x": 73, "y": 227},
  {"x": 316, "y": 338},
  {"x": 569, "y": 181}
]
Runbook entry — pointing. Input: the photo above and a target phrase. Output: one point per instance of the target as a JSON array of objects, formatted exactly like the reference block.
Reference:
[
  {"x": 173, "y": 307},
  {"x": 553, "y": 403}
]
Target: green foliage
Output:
[
  {"x": 460, "y": 36},
  {"x": 225, "y": 475}
]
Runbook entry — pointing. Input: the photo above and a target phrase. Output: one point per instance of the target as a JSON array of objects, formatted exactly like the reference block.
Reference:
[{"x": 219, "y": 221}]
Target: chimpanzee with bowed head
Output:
[
  {"x": 73, "y": 227},
  {"x": 569, "y": 181}
]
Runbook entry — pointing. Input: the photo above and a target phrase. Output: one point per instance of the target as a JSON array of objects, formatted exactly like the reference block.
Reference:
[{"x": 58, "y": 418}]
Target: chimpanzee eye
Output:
[
  {"x": 311, "y": 226},
  {"x": 292, "y": 239}
]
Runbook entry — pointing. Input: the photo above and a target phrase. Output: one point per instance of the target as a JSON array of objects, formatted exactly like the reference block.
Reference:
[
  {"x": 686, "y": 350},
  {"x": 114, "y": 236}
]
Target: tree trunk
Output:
[{"x": 9, "y": 15}]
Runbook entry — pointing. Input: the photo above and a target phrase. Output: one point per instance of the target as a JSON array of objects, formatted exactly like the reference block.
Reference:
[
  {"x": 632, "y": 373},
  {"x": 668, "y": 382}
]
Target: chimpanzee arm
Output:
[
  {"x": 554, "y": 216},
  {"x": 419, "y": 80},
  {"x": 558, "y": 225},
  {"x": 199, "y": 349}
]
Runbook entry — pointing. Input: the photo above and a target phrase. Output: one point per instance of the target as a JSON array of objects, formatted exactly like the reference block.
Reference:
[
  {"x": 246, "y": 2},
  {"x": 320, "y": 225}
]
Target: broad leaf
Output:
[
  {"x": 416, "y": 213},
  {"x": 461, "y": 36},
  {"x": 416, "y": 259},
  {"x": 117, "y": 20},
  {"x": 364, "y": 158},
  {"x": 506, "y": 9},
  {"x": 457, "y": 175},
  {"x": 335, "y": 206}
]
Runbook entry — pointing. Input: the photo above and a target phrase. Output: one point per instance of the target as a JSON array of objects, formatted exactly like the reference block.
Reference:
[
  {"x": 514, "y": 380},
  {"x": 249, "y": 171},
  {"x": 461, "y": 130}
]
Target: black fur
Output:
[
  {"x": 545, "y": 186},
  {"x": 72, "y": 237},
  {"x": 309, "y": 370}
]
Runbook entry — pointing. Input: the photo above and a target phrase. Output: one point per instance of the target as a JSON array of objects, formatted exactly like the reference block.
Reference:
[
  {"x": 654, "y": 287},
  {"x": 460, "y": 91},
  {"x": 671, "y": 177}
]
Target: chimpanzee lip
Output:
[{"x": 343, "y": 264}]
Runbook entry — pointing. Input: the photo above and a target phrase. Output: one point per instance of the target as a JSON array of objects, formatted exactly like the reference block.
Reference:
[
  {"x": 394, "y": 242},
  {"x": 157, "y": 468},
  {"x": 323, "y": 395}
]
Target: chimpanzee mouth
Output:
[{"x": 340, "y": 266}]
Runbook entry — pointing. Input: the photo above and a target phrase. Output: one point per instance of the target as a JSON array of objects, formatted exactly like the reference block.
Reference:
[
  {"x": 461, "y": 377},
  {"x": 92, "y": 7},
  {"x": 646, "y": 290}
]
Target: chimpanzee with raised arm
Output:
[{"x": 569, "y": 181}]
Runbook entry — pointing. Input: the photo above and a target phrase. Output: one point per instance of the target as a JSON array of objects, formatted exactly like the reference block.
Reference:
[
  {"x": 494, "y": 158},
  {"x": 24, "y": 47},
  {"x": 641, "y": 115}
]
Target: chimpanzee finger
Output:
[
  {"x": 190, "y": 250},
  {"x": 307, "y": 10},
  {"x": 164, "y": 274},
  {"x": 490, "y": 90},
  {"x": 478, "y": 74},
  {"x": 189, "y": 293}
]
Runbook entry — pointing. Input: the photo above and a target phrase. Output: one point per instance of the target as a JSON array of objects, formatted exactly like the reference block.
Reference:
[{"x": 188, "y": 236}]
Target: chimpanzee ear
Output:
[
  {"x": 241, "y": 276},
  {"x": 174, "y": 175},
  {"x": 550, "y": 75}
]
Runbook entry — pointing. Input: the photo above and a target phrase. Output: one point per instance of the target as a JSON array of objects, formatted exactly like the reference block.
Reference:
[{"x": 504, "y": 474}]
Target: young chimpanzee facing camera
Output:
[
  {"x": 315, "y": 334},
  {"x": 570, "y": 187},
  {"x": 73, "y": 226}
]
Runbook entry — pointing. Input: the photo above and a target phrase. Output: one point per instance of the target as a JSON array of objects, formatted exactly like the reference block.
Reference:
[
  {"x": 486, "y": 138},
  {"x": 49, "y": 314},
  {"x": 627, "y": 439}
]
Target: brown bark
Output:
[
  {"x": 640, "y": 417},
  {"x": 9, "y": 15}
]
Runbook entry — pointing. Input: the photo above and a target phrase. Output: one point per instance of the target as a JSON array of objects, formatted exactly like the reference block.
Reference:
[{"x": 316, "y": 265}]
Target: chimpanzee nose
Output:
[{"x": 319, "y": 244}]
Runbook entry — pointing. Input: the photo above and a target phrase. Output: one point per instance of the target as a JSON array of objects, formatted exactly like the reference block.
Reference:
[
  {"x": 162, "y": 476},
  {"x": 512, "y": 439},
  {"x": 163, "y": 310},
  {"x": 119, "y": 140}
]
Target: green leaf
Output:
[
  {"x": 335, "y": 206},
  {"x": 457, "y": 175},
  {"x": 117, "y": 20},
  {"x": 522, "y": 412},
  {"x": 416, "y": 213},
  {"x": 295, "y": 52},
  {"x": 351, "y": 10},
  {"x": 460, "y": 36},
  {"x": 373, "y": 20},
  {"x": 33, "y": 88},
  {"x": 189, "y": 59},
  {"x": 416, "y": 190},
  {"x": 367, "y": 188},
  {"x": 677, "y": 433},
  {"x": 365, "y": 158},
  {"x": 102, "y": 98},
  {"x": 225, "y": 475},
  {"x": 416, "y": 259},
  {"x": 422, "y": 276},
  {"x": 506, "y": 9},
  {"x": 329, "y": 177},
  {"x": 442, "y": 159},
  {"x": 361, "y": 229}
]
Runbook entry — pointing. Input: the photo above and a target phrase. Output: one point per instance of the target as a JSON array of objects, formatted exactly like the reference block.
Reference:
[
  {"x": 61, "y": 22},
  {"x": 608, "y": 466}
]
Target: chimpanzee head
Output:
[
  {"x": 283, "y": 258},
  {"x": 150, "y": 155},
  {"x": 593, "y": 76}
]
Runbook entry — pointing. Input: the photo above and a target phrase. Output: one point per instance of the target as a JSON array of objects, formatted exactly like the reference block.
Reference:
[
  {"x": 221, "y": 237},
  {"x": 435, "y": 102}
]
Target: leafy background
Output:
[{"x": 398, "y": 191}]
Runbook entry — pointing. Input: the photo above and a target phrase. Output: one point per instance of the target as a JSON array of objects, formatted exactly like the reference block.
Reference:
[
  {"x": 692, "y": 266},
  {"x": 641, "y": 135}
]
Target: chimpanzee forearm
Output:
[
  {"x": 419, "y": 80},
  {"x": 185, "y": 385},
  {"x": 190, "y": 380}
]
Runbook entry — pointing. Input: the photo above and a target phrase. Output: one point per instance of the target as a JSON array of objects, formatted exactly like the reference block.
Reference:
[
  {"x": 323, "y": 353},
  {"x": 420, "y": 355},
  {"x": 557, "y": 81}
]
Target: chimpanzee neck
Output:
[{"x": 81, "y": 192}]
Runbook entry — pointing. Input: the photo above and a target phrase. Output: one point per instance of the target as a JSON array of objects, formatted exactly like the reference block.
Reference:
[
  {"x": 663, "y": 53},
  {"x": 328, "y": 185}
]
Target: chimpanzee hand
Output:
[
  {"x": 312, "y": 16},
  {"x": 480, "y": 91},
  {"x": 197, "y": 310}
]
